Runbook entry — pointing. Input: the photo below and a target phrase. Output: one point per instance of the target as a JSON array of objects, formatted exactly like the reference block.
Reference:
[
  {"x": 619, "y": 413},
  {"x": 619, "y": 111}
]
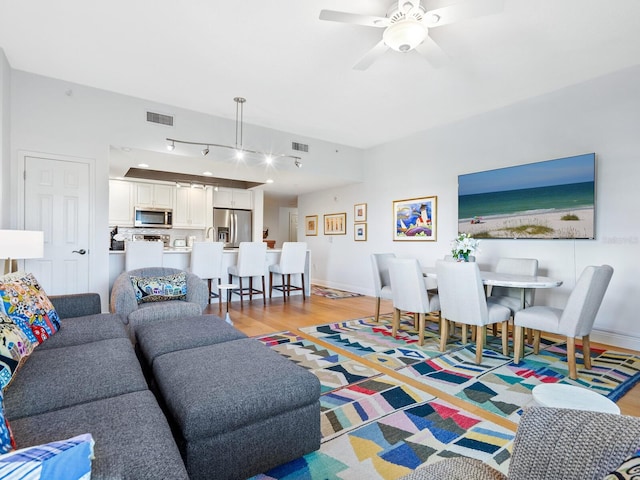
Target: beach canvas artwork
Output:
[{"x": 550, "y": 199}]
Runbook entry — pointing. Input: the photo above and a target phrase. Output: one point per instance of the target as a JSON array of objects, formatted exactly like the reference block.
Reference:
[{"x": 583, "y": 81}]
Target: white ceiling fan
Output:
[{"x": 407, "y": 23}]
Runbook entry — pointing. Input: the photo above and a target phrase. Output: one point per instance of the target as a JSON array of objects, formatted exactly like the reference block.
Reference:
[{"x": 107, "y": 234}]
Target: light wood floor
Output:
[{"x": 255, "y": 319}]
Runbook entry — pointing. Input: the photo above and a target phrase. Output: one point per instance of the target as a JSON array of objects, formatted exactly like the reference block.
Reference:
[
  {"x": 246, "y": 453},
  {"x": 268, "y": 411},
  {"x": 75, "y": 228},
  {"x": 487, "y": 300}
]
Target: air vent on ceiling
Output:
[
  {"x": 160, "y": 118},
  {"x": 300, "y": 147}
]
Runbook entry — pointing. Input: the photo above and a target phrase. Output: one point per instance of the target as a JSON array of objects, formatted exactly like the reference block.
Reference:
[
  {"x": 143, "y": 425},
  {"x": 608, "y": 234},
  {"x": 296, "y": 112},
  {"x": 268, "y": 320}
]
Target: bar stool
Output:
[
  {"x": 143, "y": 255},
  {"x": 292, "y": 261},
  {"x": 206, "y": 262},
  {"x": 252, "y": 258}
]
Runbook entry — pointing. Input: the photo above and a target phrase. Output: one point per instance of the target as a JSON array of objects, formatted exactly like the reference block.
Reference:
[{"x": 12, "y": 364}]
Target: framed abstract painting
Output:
[{"x": 415, "y": 219}]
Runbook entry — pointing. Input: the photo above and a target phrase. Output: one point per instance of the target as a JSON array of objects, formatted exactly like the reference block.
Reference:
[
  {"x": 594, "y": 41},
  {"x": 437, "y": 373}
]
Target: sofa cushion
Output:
[
  {"x": 190, "y": 332},
  {"x": 222, "y": 387},
  {"x": 65, "y": 459},
  {"x": 61, "y": 377},
  {"x": 24, "y": 301},
  {"x": 160, "y": 289},
  {"x": 133, "y": 438},
  {"x": 81, "y": 330},
  {"x": 15, "y": 347}
]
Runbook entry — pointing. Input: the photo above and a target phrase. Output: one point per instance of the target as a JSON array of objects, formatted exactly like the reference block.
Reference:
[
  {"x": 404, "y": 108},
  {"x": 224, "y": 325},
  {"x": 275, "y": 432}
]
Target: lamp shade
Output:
[
  {"x": 404, "y": 35},
  {"x": 20, "y": 244}
]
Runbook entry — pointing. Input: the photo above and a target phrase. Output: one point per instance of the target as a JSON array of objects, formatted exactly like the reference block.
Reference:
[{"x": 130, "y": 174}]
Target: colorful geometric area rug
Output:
[
  {"x": 376, "y": 426},
  {"x": 332, "y": 293},
  {"x": 497, "y": 384}
]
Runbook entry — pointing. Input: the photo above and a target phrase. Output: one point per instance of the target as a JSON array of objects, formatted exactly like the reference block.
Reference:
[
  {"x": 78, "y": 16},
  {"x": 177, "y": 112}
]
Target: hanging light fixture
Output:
[{"x": 238, "y": 147}]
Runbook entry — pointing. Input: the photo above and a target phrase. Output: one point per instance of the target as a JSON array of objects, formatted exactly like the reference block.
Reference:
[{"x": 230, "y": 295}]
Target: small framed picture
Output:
[
  {"x": 360, "y": 212},
  {"x": 360, "y": 232},
  {"x": 311, "y": 225},
  {"x": 415, "y": 219},
  {"x": 335, "y": 224}
]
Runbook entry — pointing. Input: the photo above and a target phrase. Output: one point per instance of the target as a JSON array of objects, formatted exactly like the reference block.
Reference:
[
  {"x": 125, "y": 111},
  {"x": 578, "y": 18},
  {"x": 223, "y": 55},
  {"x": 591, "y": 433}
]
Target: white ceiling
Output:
[{"x": 295, "y": 69}]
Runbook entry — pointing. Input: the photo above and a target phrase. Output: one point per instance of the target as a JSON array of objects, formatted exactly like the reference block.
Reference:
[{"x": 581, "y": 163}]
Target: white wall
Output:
[
  {"x": 600, "y": 116},
  {"x": 5, "y": 133},
  {"x": 276, "y": 217},
  {"x": 60, "y": 118}
]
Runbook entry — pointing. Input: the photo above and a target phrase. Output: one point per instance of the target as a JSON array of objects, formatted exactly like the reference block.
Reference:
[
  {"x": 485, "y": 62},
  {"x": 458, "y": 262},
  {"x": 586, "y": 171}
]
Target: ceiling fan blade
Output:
[
  {"x": 462, "y": 11},
  {"x": 355, "y": 18},
  {"x": 371, "y": 56},
  {"x": 433, "y": 53}
]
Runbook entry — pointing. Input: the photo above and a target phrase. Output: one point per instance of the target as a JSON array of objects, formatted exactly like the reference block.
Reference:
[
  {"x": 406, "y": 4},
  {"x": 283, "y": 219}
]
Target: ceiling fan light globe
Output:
[{"x": 404, "y": 35}]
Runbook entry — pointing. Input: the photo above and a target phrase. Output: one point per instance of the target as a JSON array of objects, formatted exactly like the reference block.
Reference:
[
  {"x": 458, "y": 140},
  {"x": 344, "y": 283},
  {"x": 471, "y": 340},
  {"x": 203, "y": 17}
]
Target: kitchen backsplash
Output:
[{"x": 174, "y": 233}]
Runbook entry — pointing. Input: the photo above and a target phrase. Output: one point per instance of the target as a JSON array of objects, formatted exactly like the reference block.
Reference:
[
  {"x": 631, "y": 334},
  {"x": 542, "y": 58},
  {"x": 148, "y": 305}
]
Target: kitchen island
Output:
[{"x": 180, "y": 257}]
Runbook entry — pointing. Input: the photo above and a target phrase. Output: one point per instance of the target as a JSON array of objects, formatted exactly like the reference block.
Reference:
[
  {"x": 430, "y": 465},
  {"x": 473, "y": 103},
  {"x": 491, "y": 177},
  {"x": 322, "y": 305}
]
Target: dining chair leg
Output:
[
  {"x": 481, "y": 332},
  {"x": 571, "y": 358},
  {"x": 494, "y": 329},
  {"x": 505, "y": 337},
  {"x": 536, "y": 342},
  {"x": 518, "y": 344},
  {"x": 377, "y": 309},
  {"x": 395, "y": 324},
  {"x": 444, "y": 333},
  {"x": 264, "y": 297},
  {"x": 304, "y": 295},
  {"x": 250, "y": 289},
  {"x": 421, "y": 328},
  {"x": 586, "y": 352},
  {"x": 270, "y": 284},
  {"x": 464, "y": 329},
  {"x": 241, "y": 292}
]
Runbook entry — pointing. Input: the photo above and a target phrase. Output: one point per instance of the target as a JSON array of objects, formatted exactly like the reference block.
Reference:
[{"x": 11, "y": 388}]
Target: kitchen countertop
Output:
[{"x": 173, "y": 250}]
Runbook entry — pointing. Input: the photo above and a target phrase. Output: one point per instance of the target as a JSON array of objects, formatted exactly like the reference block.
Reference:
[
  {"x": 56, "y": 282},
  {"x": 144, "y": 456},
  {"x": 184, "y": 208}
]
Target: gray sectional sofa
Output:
[
  {"x": 87, "y": 379},
  {"x": 198, "y": 399}
]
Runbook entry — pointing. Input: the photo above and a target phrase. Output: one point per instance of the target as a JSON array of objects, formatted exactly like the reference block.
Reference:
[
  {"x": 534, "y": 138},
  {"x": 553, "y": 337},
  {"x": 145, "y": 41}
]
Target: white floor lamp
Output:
[{"x": 19, "y": 245}]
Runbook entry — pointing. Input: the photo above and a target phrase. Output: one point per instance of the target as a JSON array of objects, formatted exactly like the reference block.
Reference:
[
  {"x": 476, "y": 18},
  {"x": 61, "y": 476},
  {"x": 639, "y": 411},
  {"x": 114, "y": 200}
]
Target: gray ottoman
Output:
[
  {"x": 240, "y": 407},
  {"x": 163, "y": 337}
]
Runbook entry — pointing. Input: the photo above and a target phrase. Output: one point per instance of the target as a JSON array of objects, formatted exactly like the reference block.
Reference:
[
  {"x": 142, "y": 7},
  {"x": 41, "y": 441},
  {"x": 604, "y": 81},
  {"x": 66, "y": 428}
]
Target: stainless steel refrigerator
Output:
[{"x": 232, "y": 226}]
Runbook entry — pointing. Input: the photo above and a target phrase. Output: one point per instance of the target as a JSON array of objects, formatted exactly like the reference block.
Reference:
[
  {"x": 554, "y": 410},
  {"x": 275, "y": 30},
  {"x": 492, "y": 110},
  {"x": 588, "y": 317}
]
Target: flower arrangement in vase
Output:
[{"x": 463, "y": 246}]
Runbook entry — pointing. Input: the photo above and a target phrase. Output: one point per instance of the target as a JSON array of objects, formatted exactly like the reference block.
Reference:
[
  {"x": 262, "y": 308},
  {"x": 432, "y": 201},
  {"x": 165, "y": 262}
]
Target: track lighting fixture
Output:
[{"x": 239, "y": 147}]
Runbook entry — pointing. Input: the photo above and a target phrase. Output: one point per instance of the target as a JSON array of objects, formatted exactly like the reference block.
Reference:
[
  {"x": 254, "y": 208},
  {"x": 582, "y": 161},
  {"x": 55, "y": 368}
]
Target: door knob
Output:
[{"x": 82, "y": 251}]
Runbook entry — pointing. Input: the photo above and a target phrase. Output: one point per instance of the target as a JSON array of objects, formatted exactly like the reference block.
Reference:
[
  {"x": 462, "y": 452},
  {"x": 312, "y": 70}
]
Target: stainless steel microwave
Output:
[{"x": 153, "y": 217}]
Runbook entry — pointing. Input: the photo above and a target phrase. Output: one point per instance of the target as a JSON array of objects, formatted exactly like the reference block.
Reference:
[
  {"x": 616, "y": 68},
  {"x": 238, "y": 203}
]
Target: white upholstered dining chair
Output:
[
  {"x": 252, "y": 260},
  {"x": 292, "y": 262},
  {"x": 143, "y": 255},
  {"x": 381, "y": 279},
  {"x": 206, "y": 262},
  {"x": 512, "y": 297},
  {"x": 410, "y": 294},
  {"x": 574, "y": 321},
  {"x": 462, "y": 300}
]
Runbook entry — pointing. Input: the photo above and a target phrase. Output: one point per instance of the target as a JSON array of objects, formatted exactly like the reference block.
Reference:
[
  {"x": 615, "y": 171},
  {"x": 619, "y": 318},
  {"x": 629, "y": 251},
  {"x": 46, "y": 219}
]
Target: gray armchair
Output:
[
  {"x": 123, "y": 299},
  {"x": 552, "y": 444}
]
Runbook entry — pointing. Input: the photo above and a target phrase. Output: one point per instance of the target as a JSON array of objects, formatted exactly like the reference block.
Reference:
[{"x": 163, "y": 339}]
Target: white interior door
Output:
[
  {"x": 293, "y": 227},
  {"x": 57, "y": 202}
]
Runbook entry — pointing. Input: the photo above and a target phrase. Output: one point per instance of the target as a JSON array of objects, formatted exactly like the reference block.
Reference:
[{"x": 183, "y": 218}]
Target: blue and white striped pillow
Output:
[{"x": 64, "y": 460}]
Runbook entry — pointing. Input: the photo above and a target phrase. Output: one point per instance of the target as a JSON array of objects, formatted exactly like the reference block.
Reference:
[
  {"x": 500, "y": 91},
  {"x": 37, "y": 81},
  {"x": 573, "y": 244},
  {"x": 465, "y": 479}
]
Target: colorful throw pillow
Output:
[
  {"x": 25, "y": 302},
  {"x": 160, "y": 289},
  {"x": 629, "y": 470},
  {"x": 64, "y": 460},
  {"x": 15, "y": 347},
  {"x": 7, "y": 443}
]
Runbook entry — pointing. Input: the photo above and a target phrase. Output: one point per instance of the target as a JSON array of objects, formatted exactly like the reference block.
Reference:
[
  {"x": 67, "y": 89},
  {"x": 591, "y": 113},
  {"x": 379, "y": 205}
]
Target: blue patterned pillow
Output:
[
  {"x": 15, "y": 347},
  {"x": 160, "y": 289},
  {"x": 629, "y": 470},
  {"x": 64, "y": 460},
  {"x": 25, "y": 302}
]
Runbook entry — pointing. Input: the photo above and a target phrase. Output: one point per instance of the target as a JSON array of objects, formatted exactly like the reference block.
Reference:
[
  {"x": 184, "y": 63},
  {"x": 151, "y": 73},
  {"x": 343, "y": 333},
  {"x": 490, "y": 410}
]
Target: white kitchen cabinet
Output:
[
  {"x": 154, "y": 195},
  {"x": 233, "y": 198},
  {"x": 190, "y": 208},
  {"x": 121, "y": 202}
]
